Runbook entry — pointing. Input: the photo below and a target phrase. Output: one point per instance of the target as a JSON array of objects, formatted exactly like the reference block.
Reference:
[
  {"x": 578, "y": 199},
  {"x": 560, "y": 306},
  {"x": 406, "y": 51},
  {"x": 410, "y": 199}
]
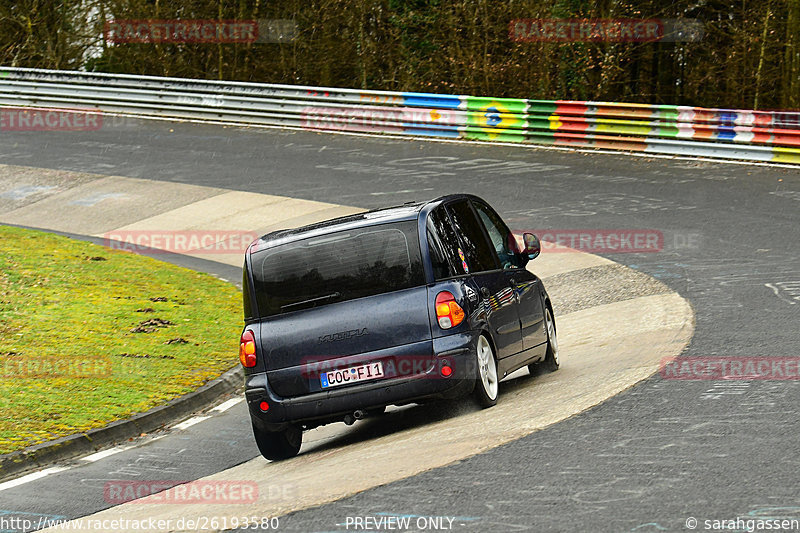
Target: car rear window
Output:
[
  {"x": 443, "y": 246},
  {"x": 336, "y": 267},
  {"x": 479, "y": 255}
]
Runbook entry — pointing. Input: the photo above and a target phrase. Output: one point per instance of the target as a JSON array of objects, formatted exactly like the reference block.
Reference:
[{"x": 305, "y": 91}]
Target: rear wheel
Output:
[
  {"x": 277, "y": 445},
  {"x": 486, "y": 386},
  {"x": 551, "y": 362}
]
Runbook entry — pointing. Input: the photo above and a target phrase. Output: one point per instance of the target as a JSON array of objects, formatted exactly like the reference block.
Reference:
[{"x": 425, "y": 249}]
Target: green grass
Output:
[{"x": 65, "y": 301}]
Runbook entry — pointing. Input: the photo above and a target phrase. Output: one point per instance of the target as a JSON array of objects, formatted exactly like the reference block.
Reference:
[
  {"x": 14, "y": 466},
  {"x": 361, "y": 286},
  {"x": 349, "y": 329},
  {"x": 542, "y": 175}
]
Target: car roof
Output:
[{"x": 398, "y": 213}]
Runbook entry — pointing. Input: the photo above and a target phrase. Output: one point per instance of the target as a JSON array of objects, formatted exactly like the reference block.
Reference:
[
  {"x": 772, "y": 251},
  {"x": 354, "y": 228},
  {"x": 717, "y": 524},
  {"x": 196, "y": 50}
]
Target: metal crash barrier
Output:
[{"x": 770, "y": 136}]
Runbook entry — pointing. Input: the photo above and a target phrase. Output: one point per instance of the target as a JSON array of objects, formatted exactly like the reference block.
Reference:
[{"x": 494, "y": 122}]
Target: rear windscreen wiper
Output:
[{"x": 312, "y": 301}]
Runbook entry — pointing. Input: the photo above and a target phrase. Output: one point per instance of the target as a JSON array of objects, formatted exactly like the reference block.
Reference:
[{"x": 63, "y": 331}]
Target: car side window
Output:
[
  {"x": 503, "y": 240},
  {"x": 477, "y": 252},
  {"x": 443, "y": 245}
]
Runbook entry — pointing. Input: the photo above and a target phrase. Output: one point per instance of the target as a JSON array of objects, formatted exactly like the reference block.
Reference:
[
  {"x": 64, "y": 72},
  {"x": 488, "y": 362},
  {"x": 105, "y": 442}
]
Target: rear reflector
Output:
[
  {"x": 264, "y": 406},
  {"x": 247, "y": 349},
  {"x": 448, "y": 312}
]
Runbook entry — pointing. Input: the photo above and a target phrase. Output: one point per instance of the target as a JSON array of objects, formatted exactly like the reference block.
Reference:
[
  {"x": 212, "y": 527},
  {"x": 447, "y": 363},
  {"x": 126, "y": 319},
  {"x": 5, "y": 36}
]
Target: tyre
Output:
[
  {"x": 486, "y": 380},
  {"x": 277, "y": 445},
  {"x": 551, "y": 362}
]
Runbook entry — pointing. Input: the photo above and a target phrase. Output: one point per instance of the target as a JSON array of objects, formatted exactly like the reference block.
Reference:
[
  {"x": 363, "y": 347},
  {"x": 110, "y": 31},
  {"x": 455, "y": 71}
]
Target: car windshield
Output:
[{"x": 336, "y": 267}]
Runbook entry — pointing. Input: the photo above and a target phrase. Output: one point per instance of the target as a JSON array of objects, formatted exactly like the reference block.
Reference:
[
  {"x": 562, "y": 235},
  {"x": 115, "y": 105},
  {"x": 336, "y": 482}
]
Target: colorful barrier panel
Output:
[
  {"x": 666, "y": 129},
  {"x": 496, "y": 119}
]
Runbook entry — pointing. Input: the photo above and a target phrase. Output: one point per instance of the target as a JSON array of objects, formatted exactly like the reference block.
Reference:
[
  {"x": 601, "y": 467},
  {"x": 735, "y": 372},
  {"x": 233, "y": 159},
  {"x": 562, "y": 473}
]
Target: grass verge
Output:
[{"x": 90, "y": 335}]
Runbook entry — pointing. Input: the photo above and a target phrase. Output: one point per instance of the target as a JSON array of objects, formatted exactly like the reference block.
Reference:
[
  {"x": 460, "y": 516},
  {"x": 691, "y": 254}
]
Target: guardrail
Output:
[{"x": 663, "y": 129}]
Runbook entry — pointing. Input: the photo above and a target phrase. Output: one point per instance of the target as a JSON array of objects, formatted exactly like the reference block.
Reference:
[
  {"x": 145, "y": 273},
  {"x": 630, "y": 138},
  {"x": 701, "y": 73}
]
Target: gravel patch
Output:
[{"x": 605, "y": 284}]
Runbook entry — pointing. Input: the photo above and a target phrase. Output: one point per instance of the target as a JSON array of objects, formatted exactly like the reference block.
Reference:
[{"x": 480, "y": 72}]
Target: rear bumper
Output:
[{"x": 456, "y": 351}]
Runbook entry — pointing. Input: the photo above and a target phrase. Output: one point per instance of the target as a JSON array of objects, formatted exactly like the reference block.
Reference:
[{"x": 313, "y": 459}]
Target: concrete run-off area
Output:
[{"x": 615, "y": 327}]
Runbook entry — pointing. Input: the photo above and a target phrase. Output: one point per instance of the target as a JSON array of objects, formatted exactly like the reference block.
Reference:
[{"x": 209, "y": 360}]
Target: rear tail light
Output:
[
  {"x": 247, "y": 349},
  {"x": 448, "y": 312}
]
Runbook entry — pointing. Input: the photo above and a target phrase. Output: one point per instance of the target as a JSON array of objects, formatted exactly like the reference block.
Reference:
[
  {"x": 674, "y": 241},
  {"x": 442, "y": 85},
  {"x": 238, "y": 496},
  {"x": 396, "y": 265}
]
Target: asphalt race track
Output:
[{"x": 648, "y": 459}]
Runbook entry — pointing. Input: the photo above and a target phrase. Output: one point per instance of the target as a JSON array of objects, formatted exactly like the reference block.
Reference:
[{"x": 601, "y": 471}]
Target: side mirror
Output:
[{"x": 531, "y": 244}]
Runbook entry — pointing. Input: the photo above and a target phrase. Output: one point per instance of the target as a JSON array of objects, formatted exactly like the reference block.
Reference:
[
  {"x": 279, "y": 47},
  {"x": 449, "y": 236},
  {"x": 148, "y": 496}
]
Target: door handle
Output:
[{"x": 485, "y": 291}]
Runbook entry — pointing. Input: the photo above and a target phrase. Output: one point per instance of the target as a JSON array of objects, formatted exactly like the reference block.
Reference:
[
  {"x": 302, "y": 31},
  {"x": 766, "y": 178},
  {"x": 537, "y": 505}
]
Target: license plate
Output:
[{"x": 353, "y": 374}]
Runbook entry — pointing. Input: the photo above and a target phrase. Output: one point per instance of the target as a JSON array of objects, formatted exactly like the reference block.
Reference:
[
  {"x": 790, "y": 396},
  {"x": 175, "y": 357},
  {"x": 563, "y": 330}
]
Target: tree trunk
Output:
[
  {"x": 790, "y": 98},
  {"x": 761, "y": 56}
]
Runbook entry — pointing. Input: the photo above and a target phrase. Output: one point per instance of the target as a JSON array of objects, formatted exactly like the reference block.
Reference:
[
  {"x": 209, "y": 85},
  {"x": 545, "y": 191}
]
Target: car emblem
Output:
[
  {"x": 343, "y": 335},
  {"x": 472, "y": 296}
]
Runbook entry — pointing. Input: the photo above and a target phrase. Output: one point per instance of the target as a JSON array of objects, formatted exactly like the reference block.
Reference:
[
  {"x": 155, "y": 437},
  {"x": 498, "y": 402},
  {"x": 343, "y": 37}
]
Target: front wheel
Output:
[
  {"x": 277, "y": 445},
  {"x": 486, "y": 386}
]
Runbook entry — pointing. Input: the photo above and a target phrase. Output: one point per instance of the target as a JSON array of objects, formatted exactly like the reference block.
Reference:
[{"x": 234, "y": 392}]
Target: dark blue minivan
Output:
[{"x": 387, "y": 307}]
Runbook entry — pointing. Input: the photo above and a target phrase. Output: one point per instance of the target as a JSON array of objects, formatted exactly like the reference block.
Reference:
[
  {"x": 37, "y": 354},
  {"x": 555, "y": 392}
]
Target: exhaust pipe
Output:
[{"x": 350, "y": 419}]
